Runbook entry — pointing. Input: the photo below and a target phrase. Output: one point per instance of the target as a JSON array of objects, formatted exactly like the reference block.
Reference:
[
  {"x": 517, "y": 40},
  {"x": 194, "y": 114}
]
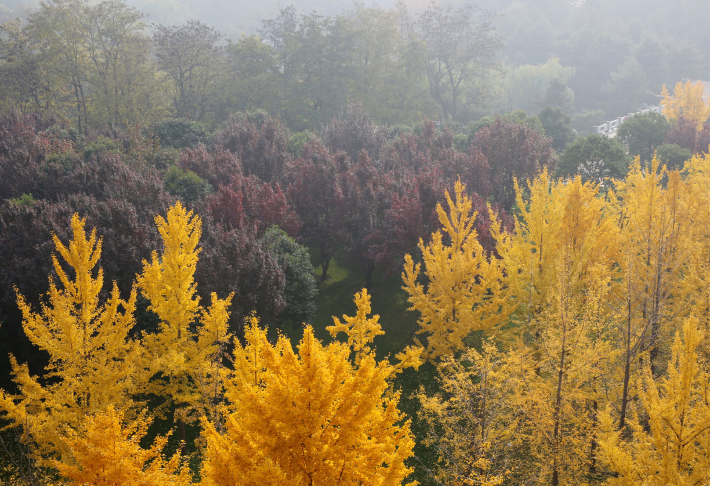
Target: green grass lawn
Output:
[{"x": 336, "y": 298}]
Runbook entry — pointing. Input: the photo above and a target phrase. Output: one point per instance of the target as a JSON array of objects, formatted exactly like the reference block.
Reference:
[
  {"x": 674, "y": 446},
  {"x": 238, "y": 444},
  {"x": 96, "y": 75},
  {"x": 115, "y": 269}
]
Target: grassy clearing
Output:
[{"x": 389, "y": 301}]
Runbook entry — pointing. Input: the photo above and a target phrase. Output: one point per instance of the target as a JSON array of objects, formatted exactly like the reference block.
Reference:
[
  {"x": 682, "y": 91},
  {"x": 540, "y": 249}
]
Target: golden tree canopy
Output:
[{"x": 307, "y": 417}]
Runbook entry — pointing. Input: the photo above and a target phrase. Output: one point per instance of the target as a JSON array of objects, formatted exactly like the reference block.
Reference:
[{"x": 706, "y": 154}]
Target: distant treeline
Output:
[{"x": 103, "y": 64}]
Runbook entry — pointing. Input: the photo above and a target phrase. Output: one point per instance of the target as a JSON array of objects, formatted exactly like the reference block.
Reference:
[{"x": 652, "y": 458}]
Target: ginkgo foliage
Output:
[
  {"x": 463, "y": 292},
  {"x": 182, "y": 361},
  {"x": 309, "y": 417},
  {"x": 91, "y": 358},
  {"x": 687, "y": 101},
  {"x": 472, "y": 423},
  {"x": 670, "y": 433},
  {"x": 108, "y": 453}
]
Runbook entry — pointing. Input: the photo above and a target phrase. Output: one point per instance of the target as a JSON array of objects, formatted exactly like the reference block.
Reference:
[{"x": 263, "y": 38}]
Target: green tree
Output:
[
  {"x": 526, "y": 87},
  {"x": 594, "y": 157},
  {"x": 186, "y": 185},
  {"x": 673, "y": 156},
  {"x": 642, "y": 133},
  {"x": 558, "y": 126},
  {"x": 119, "y": 73},
  {"x": 388, "y": 69},
  {"x": 191, "y": 55},
  {"x": 461, "y": 43},
  {"x": 253, "y": 75},
  {"x": 300, "y": 289}
]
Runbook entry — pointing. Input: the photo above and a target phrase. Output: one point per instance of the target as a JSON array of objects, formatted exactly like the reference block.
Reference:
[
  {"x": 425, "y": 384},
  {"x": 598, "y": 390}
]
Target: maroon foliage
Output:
[
  {"x": 683, "y": 133},
  {"x": 513, "y": 151},
  {"x": 232, "y": 260},
  {"x": 217, "y": 167},
  {"x": 352, "y": 131},
  {"x": 260, "y": 142},
  {"x": 25, "y": 141},
  {"x": 315, "y": 192},
  {"x": 366, "y": 197},
  {"x": 702, "y": 140},
  {"x": 249, "y": 202}
]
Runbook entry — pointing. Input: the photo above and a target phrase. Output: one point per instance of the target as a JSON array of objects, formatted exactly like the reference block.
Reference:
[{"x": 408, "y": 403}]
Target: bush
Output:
[
  {"x": 180, "y": 133},
  {"x": 186, "y": 185}
]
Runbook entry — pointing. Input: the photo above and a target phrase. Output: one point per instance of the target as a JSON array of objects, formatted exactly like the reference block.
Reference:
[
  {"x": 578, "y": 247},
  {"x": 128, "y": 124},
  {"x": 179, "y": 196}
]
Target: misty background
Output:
[{"x": 595, "y": 59}]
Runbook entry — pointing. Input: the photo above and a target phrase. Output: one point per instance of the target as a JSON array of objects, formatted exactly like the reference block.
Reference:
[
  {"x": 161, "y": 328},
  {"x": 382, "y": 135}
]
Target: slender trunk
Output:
[
  {"x": 627, "y": 370},
  {"x": 183, "y": 436},
  {"x": 558, "y": 411},
  {"x": 368, "y": 275},
  {"x": 593, "y": 452},
  {"x": 556, "y": 433},
  {"x": 324, "y": 264}
]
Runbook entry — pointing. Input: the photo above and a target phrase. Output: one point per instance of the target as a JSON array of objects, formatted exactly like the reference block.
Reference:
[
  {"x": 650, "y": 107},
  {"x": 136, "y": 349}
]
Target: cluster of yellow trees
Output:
[
  {"x": 593, "y": 367},
  {"x": 597, "y": 307},
  {"x": 687, "y": 101},
  {"x": 323, "y": 414}
]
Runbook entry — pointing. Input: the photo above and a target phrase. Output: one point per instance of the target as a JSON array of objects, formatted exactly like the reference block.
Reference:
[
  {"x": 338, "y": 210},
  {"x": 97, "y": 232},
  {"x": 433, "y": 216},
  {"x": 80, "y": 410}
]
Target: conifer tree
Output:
[{"x": 91, "y": 358}]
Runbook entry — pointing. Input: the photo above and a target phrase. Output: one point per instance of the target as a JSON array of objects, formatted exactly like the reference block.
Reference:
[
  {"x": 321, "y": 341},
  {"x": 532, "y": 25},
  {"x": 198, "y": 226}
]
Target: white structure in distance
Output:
[{"x": 611, "y": 127}]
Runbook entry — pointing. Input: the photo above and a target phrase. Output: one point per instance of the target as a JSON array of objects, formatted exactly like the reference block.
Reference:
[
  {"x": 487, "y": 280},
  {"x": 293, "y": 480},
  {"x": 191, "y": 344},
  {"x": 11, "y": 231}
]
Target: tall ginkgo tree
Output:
[
  {"x": 183, "y": 360},
  {"x": 558, "y": 264},
  {"x": 92, "y": 360},
  {"x": 668, "y": 441},
  {"x": 656, "y": 212},
  {"x": 463, "y": 289}
]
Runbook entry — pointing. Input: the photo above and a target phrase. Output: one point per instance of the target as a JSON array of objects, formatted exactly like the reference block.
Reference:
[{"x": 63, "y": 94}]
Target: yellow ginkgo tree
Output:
[
  {"x": 108, "y": 453},
  {"x": 669, "y": 437},
  {"x": 182, "y": 360},
  {"x": 92, "y": 360},
  {"x": 463, "y": 291},
  {"x": 311, "y": 416},
  {"x": 687, "y": 101}
]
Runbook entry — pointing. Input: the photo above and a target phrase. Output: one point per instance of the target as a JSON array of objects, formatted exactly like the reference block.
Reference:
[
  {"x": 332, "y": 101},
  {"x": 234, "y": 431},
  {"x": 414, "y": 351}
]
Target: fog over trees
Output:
[
  {"x": 596, "y": 60},
  {"x": 345, "y": 243}
]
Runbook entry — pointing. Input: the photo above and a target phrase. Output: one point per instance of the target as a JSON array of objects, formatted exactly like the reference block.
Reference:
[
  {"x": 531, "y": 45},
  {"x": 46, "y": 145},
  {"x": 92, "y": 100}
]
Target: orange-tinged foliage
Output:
[
  {"x": 687, "y": 102},
  {"x": 463, "y": 292},
  {"x": 109, "y": 454},
  {"x": 92, "y": 360},
  {"x": 308, "y": 417}
]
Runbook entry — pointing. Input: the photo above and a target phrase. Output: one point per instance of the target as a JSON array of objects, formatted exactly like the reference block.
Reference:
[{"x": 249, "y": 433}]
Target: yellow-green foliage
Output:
[
  {"x": 311, "y": 416},
  {"x": 91, "y": 359},
  {"x": 463, "y": 292}
]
